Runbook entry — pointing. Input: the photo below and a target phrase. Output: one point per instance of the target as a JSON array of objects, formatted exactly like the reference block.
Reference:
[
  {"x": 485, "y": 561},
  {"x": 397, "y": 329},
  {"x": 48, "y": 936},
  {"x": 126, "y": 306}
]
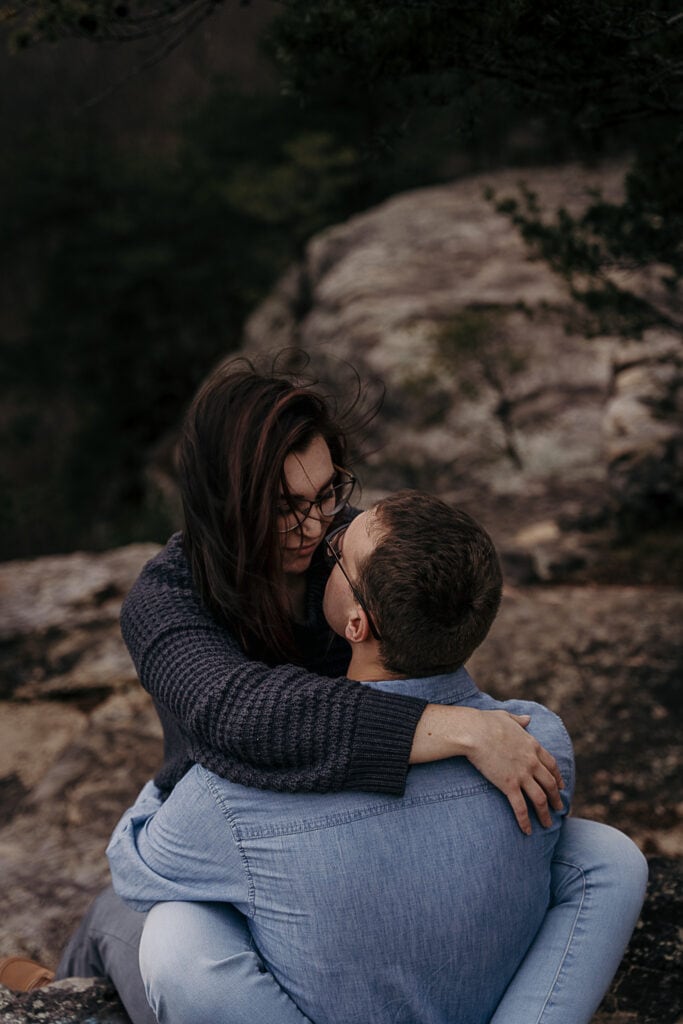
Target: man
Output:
[{"x": 373, "y": 908}]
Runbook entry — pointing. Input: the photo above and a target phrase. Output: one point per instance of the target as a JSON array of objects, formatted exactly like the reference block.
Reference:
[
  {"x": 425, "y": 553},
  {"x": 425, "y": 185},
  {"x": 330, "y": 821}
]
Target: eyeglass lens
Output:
[{"x": 328, "y": 504}]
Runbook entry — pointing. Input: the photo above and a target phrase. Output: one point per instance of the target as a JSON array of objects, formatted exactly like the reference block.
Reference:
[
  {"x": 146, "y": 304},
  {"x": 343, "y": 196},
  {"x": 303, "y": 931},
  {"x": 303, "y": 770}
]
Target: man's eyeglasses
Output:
[
  {"x": 328, "y": 504},
  {"x": 333, "y": 550}
]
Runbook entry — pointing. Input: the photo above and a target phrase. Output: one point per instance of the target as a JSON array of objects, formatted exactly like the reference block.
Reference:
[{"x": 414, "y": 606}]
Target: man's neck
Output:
[{"x": 367, "y": 667}]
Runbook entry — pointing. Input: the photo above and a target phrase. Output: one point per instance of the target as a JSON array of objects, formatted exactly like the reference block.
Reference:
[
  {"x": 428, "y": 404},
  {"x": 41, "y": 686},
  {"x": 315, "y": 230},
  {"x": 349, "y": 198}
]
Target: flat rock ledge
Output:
[
  {"x": 78, "y": 737},
  {"x": 74, "y": 1001},
  {"x": 646, "y": 989}
]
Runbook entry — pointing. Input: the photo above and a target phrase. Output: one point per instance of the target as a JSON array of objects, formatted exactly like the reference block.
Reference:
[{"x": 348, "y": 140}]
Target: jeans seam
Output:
[
  {"x": 570, "y": 938},
  {"x": 229, "y": 816}
]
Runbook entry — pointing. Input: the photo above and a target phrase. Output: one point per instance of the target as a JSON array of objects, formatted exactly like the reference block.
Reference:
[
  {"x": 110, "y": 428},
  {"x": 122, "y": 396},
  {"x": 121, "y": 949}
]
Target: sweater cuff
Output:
[{"x": 382, "y": 741}]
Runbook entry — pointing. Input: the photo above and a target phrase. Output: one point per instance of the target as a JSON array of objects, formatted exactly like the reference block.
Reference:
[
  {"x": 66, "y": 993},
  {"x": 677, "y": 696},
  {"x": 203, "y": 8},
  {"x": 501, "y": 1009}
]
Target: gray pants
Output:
[{"x": 105, "y": 945}]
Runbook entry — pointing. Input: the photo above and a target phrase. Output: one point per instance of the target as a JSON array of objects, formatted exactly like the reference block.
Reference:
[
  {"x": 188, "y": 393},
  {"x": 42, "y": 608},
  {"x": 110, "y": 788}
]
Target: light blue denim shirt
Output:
[{"x": 364, "y": 907}]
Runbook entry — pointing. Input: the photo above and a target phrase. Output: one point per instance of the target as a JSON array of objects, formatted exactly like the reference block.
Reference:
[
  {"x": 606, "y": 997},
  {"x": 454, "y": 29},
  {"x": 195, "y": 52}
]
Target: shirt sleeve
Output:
[
  {"x": 182, "y": 849},
  {"x": 279, "y": 727}
]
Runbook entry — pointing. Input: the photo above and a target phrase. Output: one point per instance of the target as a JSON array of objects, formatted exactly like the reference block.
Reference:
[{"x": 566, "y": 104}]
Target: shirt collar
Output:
[{"x": 448, "y": 688}]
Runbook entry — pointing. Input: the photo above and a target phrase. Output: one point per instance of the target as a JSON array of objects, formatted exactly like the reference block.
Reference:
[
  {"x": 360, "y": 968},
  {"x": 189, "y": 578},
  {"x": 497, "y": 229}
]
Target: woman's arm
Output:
[
  {"x": 278, "y": 728},
  {"x": 287, "y": 729}
]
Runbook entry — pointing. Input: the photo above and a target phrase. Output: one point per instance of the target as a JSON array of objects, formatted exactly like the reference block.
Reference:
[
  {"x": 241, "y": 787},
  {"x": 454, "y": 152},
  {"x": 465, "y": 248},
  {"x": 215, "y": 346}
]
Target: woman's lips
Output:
[{"x": 306, "y": 549}]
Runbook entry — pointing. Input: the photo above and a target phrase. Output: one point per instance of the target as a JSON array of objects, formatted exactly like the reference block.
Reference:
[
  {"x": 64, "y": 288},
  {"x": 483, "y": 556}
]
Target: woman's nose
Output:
[{"x": 313, "y": 527}]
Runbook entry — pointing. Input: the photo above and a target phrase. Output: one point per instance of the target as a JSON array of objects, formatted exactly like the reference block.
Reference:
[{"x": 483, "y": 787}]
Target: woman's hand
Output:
[{"x": 497, "y": 744}]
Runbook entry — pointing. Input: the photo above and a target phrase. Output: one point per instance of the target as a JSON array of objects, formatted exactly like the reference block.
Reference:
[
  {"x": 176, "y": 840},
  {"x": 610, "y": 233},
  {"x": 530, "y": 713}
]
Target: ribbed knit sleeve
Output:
[{"x": 280, "y": 727}]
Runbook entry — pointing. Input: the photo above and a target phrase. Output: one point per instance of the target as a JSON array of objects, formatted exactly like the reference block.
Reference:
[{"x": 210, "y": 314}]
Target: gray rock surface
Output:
[
  {"x": 607, "y": 658},
  {"x": 642, "y": 425},
  {"x": 72, "y": 1001},
  {"x": 78, "y": 737},
  {"x": 491, "y": 397}
]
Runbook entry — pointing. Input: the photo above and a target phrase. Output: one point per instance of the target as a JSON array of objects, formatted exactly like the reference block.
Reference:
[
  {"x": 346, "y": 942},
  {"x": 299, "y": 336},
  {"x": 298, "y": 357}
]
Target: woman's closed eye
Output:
[
  {"x": 332, "y": 497},
  {"x": 285, "y": 508}
]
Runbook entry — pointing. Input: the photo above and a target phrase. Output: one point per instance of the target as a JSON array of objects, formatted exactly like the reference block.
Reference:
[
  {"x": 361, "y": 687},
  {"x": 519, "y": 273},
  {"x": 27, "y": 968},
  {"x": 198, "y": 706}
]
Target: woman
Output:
[{"x": 226, "y": 630}]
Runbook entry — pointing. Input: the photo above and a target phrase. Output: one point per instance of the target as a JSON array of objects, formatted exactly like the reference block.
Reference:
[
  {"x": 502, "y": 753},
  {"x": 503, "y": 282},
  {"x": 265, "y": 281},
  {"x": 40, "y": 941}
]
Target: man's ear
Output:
[{"x": 357, "y": 629}]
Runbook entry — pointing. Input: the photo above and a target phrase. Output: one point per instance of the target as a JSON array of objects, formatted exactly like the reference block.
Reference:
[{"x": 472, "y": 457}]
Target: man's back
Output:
[{"x": 411, "y": 909}]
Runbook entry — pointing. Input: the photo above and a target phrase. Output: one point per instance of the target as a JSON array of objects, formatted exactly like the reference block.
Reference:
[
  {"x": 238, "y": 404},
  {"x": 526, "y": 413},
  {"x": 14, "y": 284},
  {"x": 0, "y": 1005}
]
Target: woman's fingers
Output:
[
  {"x": 498, "y": 744},
  {"x": 547, "y": 761},
  {"x": 514, "y": 761}
]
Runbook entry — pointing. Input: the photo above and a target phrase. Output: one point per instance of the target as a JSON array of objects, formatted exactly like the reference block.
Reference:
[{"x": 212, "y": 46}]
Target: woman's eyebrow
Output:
[{"x": 301, "y": 497}]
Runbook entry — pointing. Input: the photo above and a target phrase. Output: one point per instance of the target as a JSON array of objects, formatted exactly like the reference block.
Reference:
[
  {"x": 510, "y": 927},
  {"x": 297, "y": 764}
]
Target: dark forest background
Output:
[{"x": 147, "y": 205}]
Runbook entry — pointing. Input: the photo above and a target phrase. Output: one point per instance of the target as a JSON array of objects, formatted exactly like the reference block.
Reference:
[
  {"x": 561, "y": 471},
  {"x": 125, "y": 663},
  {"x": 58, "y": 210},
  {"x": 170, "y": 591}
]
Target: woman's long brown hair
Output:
[{"x": 236, "y": 436}]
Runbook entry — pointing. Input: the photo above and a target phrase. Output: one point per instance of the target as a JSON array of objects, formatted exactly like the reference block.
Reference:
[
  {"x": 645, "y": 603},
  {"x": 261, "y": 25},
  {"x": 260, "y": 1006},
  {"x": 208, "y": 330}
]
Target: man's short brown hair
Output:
[{"x": 433, "y": 583}]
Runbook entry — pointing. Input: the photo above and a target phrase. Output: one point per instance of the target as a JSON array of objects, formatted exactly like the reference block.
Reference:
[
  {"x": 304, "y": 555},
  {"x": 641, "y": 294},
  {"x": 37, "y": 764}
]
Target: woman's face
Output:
[{"x": 309, "y": 474}]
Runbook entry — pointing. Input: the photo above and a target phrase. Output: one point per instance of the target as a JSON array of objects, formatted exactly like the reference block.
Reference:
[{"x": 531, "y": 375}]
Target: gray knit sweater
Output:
[{"x": 284, "y": 727}]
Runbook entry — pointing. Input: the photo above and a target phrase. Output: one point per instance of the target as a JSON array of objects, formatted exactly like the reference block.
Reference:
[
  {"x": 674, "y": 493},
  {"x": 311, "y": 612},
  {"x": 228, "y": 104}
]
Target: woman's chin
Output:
[{"x": 298, "y": 560}]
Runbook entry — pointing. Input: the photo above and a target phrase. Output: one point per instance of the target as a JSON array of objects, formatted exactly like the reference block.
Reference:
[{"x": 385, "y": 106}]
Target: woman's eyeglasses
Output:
[
  {"x": 333, "y": 550},
  {"x": 327, "y": 505}
]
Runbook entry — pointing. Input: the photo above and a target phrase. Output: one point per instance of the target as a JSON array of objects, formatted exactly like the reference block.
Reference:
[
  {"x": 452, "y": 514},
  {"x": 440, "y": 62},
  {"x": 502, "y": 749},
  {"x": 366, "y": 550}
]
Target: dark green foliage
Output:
[
  {"x": 589, "y": 250},
  {"x": 141, "y": 273},
  {"x": 37, "y": 21},
  {"x": 609, "y": 73},
  {"x": 141, "y": 283},
  {"x": 599, "y": 63}
]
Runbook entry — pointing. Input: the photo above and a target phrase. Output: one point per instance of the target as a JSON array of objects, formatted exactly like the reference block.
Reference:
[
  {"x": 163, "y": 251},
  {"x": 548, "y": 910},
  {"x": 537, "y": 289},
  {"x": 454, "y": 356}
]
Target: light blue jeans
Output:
[{"x": 199, "y": 964}]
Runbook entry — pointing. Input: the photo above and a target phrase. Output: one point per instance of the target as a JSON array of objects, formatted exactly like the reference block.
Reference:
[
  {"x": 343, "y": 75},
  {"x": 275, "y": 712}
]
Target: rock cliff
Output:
[{"x": 494, "y": 397}]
